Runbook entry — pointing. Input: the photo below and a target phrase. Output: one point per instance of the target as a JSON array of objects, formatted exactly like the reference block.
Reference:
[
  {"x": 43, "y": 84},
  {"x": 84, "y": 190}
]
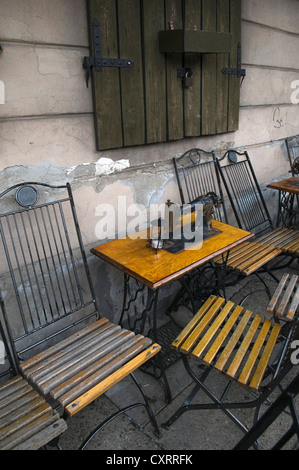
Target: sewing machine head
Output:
[{"x": 210, "y": 201}]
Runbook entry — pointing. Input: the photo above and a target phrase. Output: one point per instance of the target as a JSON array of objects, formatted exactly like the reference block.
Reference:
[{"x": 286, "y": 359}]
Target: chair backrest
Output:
[
  {"x": 49, "y": 275},
  {"x": 197, "y": 175},
  {"x": 8, "y": 365},
  {"x": 292, "y": 145},
  {"x": 244, "y": 192}
]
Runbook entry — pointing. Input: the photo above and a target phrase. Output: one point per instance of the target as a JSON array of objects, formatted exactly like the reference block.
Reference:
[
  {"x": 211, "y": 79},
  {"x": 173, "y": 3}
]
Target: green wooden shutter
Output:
[{"x": 147, "y": 103}]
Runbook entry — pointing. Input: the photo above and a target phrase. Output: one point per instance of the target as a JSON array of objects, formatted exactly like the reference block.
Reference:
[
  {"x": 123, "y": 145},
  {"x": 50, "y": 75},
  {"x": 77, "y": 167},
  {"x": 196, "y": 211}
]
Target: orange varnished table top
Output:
[
  {"x": 290, "y": 185},
  {"x": 133, "y": 257}
]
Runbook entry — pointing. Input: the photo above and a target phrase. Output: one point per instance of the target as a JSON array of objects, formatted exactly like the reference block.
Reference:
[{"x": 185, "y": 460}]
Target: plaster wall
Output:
[{"x": 46, "y": 121}]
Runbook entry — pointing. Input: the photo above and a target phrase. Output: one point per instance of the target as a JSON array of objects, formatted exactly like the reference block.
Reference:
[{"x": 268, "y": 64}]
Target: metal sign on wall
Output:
[{"x": 150, "y": 92}]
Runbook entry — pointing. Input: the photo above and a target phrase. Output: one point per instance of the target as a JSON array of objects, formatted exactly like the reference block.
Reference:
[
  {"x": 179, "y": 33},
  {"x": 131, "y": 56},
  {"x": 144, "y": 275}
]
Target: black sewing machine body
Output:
[{"x": 172, "y": 234}]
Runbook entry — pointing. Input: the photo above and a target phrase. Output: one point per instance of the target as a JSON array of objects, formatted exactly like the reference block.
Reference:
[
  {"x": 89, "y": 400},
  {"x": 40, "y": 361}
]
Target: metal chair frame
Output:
[
  {"x": 249, "y": 206},
  {"x": 244, "y": 192},
  {"x": 292, "y": 145},
  {"x": 197, "y": 174},
  {"x": 40, "y": 256},
  {"x": 286, "y": 400},
  {"x": 276, "y": 371},
  {"x": 54, "y": 293}
]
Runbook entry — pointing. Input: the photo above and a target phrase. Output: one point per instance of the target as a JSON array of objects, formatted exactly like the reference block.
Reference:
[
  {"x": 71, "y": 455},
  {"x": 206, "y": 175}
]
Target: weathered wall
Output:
[{"x": 46, "y": 122}]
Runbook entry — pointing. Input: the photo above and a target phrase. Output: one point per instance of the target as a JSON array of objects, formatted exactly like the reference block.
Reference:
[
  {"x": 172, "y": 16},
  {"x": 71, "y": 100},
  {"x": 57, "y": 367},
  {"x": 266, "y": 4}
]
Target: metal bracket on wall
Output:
[
  {"x": 98, "y": 61},
  {"x": 236, "y": 71}
]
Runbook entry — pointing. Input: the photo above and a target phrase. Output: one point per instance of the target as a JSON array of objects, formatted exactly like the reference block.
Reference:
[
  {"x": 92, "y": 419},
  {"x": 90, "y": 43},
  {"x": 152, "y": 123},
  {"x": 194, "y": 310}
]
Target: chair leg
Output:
[
  {"x": 216, "y": 403},
  {"x": 186, "y": 404},
  {"x": 147, "y": 406}
]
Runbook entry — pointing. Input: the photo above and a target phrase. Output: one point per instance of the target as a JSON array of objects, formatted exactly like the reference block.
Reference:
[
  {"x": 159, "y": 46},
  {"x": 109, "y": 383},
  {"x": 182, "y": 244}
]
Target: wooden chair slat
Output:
[
  {"x": 264, "y": 360},
  {"x": 293, "y": 247},
  {"x": 283, "y": 239},
  {"x": 76, "y": 346},
  {"x": 262, "y": 254},
  {"x": 192, "y": 323},
  {"x": 201, "y": 326},
  {"x": 287, "y": 296},
  {"x": 222, "y": 335},
  {"x": 212, "y": 331},
  {"x": 275, "y": 236},
  {"x": 242, "y": 249},
  {"x": 67, "y": 361},
  {"x": 14, "y": 394},
  {"x": 91, "y": 363},
  {"x": 228, "y": 350},
  {"x": 250, "y": 363},
  {"x": 9, "y": 385},
  {"x": 274, "y": 300},
  {"x": 36, "y": 405},
  {"x": 252, "y": 247},
  {"x": 75, "y": 406},
  {"x": 61, "y": 345},
  {"x": 27, "y": 421},
  {"x": 293, "y": 307},
  {"x": 67, "y": 392},
  {"x": 285, "y": 300},
  {"x": 250, "y": 256},
  {"x": 242, "y": 350},
  {"x": 15, "y": 401},
  {"x": 262, "y": 261},
  {"x": 35, "y": 432},
  {"x": 50, "y": 429},
  {"x": 14, "y": 423}
]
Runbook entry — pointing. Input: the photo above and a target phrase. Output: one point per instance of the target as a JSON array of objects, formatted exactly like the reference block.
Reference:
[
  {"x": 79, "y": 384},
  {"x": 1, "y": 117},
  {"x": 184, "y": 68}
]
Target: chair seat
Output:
[
  {"x": 27, "y": 421},
  {"x": 285, "y": 300},
  {"x": 232, "y": 340},
  {"x": 82, "y": 367},
  {"x": 249, "y": 256},
  {"x": 285, "y": 239}
]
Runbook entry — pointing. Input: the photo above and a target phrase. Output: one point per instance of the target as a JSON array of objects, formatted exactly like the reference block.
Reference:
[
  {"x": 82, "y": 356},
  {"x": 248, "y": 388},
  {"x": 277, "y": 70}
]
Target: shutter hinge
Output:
[{"x": 97, "y": 60}]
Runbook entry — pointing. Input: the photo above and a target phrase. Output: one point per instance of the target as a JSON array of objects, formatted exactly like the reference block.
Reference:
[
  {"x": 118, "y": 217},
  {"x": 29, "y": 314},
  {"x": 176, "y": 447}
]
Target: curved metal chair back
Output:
[
  {"x": 244, "y": 192},
  {"x": 42, "y": 244},
  {"x": 197, "y": 176}
]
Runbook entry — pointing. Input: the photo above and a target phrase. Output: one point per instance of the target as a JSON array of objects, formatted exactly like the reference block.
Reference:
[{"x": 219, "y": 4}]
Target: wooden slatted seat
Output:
[
  {"x": 285, "y": 300},
  {"x": 248, "y": 257},
  {"x": 88, "y": 363},
  {"x": 27, "y": 421},
  {"x": 219, "y": 325},
  {"x": 285, "y": 239},
  {"x": 243, "y": 346}
]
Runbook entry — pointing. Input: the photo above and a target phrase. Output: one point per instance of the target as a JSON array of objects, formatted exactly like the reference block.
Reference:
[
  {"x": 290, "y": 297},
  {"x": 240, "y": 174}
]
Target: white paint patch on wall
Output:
[{"x": 106, "y": 166}]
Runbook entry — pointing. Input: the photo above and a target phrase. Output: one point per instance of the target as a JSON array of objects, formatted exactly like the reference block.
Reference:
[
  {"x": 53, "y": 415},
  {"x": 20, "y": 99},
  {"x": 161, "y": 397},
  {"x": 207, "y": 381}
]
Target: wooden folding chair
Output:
[
  {"x": 61, "y": 344},
  {"x": 27, "y": 421},
  {"x": 249, "y": 206},
  {"x": 249, "y": 350},
  {"x": 197, "y": 175}
]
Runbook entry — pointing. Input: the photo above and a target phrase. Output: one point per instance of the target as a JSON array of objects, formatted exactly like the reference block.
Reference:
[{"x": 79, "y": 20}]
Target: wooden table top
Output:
[
  {"x": 133, "y": 257},
  {"x": 290, "y": 185}
]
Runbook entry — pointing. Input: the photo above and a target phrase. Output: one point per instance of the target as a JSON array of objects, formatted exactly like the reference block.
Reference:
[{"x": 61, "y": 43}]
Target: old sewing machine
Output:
[{"x": 185, "y": 226}]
